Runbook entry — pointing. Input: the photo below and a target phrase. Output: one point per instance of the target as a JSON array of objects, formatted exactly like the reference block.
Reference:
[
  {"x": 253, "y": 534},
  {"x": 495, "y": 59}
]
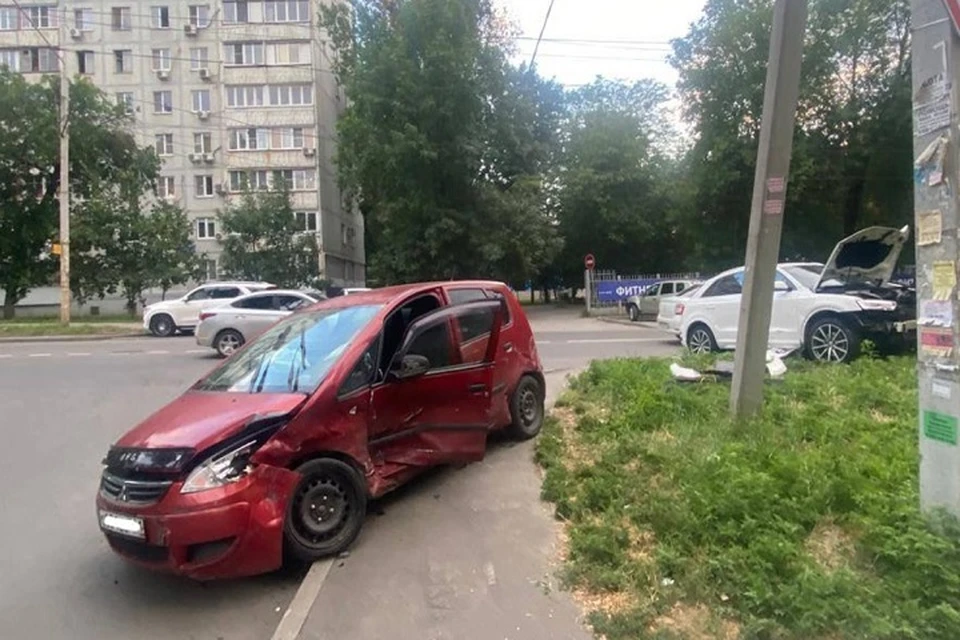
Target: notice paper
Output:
[
  {"x": 929, "y": 228},
  {"x": 936, "y": 313},
  {"x": 944, "y": 279}
]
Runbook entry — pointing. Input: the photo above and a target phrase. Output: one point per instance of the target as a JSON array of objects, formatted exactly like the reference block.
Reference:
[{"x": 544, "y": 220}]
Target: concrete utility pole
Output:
[
  {"x": 65, "y": 297},
  {"x": 936, "y": 60},
  {"x": 769, "y": 194}
]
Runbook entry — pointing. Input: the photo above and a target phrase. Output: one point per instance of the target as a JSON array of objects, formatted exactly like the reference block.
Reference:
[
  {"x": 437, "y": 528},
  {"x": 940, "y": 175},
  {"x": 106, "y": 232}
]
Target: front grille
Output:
[
  {"x": 133, "y": 491},
  {"x": 137, "y": 549}
]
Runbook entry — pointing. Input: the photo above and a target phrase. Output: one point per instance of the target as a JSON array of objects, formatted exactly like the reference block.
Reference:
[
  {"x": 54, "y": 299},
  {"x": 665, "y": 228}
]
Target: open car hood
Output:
[{"x": 869, "y": 256}]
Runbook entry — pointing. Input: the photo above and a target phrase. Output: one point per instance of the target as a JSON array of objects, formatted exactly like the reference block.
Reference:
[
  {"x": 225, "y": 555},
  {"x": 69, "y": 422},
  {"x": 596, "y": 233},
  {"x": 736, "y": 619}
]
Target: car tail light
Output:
[
  {"x": 679, "y": 309},
  {"x": 205, "y": 315}
]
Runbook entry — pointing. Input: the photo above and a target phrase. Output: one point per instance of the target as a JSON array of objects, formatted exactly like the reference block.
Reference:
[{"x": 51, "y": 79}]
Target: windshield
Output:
[
  {"x": 294, "y": 356},
  {"x": 809, "y": 275}
]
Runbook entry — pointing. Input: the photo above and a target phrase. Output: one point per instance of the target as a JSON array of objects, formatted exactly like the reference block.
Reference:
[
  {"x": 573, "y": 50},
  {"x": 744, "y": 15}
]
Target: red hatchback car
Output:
[{"x": 275, "y": 452}]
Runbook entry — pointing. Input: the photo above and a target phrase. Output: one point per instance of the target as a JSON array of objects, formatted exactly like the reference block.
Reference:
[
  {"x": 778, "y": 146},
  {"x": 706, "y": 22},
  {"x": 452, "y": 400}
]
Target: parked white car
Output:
[
  {"x": 648, "y": 302},
  {"x": 228, "y": 327},
  {"x": 671, "y": 310},
  {"x": 828, "y": 310},
  {"x": 182, "y": 314}
]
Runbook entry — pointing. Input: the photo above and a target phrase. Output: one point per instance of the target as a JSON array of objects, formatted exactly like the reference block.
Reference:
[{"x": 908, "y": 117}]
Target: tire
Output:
[
  {"x": 326, "y": 510},
  {"x": 830, "y": 339},
  {"x": 227, "y": 342},
  {"x": 162, "y": 325},
  {"x": 700, "y": 339},
  {"x": 633, "y": 312},
  {"x": 527, "y": 409}
]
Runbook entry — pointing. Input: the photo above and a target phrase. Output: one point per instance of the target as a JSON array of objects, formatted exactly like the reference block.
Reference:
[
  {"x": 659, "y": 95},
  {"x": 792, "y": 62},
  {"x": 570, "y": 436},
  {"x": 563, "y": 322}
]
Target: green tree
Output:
[
  {"x": 103, "y": 152},
  {"x": 444, "y": 146},
  {"x": 261, "y": 241}
]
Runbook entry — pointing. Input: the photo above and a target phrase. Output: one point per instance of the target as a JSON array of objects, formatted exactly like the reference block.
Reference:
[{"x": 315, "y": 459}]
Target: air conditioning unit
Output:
[
  {"x": 76, "y": 34},
  {"x": 163, "y": 74},
  {"x": 170, "y": 199},
  {"x": 203, "y": 115},
  {"x": 219, "y": 189},
  {"x": 208, "y": 158},
  {"x": 190, "y": 29},
  {"x": 194, "y": 157},
  {"x": 204, "y": 73},
  {"x": 309, "y": 152},
  {"x": 218, "y": 236}
]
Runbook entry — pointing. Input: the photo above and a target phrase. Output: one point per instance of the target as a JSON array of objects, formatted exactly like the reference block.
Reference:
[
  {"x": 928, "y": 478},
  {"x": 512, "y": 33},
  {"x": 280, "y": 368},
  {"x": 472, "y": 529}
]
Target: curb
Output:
[
  {"x": 93, "y": 337},
  {"x": 643, "y": 324}
]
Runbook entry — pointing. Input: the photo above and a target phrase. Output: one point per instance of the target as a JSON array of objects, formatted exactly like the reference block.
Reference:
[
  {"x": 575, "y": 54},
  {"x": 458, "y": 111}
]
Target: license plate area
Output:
[{"x": 129, "y": 526}]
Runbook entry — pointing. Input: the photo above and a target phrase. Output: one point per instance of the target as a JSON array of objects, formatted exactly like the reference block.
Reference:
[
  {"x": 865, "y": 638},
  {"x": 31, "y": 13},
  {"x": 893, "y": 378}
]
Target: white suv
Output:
[{"x": 166, "y": 318}]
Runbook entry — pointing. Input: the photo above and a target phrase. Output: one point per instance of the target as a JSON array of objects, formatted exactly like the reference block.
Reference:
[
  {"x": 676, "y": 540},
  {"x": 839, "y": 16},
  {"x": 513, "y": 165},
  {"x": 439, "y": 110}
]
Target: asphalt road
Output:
[{"x": 442, "y": 556}]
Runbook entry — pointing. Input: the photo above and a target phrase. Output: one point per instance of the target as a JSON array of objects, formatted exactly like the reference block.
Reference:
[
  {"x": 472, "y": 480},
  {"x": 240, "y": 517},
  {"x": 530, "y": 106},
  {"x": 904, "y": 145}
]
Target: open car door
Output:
[{"x": 435, "y": 404}]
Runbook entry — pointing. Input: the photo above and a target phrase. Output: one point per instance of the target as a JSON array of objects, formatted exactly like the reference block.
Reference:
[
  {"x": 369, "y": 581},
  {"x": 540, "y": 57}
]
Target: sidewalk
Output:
[
  {"x": 11, "y": 332},
  {"x": 466, "y": 554}
]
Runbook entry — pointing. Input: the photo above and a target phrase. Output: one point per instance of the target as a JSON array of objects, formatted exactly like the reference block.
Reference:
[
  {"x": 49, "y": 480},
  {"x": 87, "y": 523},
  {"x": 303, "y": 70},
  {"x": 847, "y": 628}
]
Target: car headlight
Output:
[
  {"x": 877, "y": 305},
  {"x": 221, "y": 469}
]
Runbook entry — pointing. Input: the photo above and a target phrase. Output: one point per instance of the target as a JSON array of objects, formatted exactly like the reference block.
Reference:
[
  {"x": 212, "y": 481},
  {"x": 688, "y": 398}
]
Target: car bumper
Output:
[
  {"x": 204, "y": 335},
  {"x": 228, "y": 532},
  {"x": 886, "y": 330}
]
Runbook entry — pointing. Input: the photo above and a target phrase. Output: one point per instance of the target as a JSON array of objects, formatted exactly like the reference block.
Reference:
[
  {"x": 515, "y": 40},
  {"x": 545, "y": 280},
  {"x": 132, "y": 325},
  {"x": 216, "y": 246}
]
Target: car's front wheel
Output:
[
  {"x": 527, "y": 408},
  {"x": 326, "y": 511},
  {"x": 830, "y": 339},
  {"x": 700, "y": 339},
  {"x": 162, "y": 325},
  {"x": 634, "y": 312},
  {"x": 227, "y": 342}
]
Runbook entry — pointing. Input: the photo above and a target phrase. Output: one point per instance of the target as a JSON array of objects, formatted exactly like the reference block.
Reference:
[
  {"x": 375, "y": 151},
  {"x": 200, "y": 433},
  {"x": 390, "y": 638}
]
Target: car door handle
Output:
[
  {"x": 477, "y": 388},
  {"x": 508, "y": 347}
]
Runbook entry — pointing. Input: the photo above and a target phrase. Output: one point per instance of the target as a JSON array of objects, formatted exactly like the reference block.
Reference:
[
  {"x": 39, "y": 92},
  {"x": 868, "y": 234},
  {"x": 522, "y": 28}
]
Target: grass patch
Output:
[
  {"x": 108, "y": 319},
  {"x": 803, "y": 523},
  {"x": 40, "y": 329}
]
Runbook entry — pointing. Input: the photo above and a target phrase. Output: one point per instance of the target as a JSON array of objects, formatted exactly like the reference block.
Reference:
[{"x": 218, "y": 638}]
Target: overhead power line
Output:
[{"x": 543, "y": 27}]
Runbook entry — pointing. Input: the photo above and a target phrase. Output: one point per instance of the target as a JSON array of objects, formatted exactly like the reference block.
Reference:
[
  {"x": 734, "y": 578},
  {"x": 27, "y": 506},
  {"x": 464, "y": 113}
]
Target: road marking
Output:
[
  {"x": 544, "y": 342},
  {"x": 614, "y": 340},
  {"x": 77, "y": 354},
  {"x": 159, "y": 352},
  {"x": 296, "y": 614},
  {"x": 40, "y": 355},
  {"x": 6, "y": 355},
  {"x": 197, "y": 351}
]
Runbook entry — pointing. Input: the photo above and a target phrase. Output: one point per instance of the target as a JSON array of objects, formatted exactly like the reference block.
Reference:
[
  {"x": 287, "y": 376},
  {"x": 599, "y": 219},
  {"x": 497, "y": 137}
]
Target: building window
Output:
[
  {"x": 286, "y": 11},
  {"x": 283, "y": 95},
  {"x": 8, "y": 19},
  {"x": 306, "y": 220},
  {"x": 200, "y": 99},
  {"x": 199, "y": 15},
  {"x": 249, "y": 139},
  {"x": 125, "y": 99},
  {"x": 235, "y": 11},
  {"x": 162, "y": 60},
  {"x": 82, "y": 19},
  {"x": 256, "y": 180},
  {"x": 210, "y": 270},
  {"x": 245, "y": 96},
  {"x": 42, "y": 17},
  {"x": 202, "y": 143},
  {"x": 288, "y": 53},
  {"x": 343, "y": 235},
  {"x": 206, "y": 227},
  {"x": 39, "y": 60},
  {"x": 243, "y": 53},
  {"x": 290, "y": 137},
  {"x": 163, "y": 102},
  {"x": 199, "y": 58},
  {"x": 164, "y": 144},
  {"x": 296, "y": 179},
  {"x": 166, "y": 187},
  {"x": 203, "y": 186},
  {"x": 120, "y": 19},
  {"x": 10, "y": 58},
  {"x": 160, "y": 17},
  {"x": 85, "y": 62},
  {"x": 123, "y": 61}
]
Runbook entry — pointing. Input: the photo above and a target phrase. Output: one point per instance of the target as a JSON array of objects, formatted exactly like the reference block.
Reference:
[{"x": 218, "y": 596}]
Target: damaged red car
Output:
[{"x": 275, "y": 453}]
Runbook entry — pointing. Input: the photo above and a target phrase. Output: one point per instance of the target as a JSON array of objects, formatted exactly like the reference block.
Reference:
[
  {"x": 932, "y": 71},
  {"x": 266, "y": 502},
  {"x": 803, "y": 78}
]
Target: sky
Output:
[{"x": 647, "y": 26}]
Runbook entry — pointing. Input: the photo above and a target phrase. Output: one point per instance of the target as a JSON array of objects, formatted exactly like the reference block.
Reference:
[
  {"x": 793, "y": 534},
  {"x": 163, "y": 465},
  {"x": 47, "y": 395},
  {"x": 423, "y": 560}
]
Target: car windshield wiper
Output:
[
  {"x": 293, "y": 378},
  {"x": 263, "y": 374}
]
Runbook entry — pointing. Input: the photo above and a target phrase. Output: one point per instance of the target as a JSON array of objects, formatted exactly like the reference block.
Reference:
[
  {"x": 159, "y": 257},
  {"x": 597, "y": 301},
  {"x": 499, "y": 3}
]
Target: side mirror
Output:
[
  {"x": 780, "y": 286},
  {"x": 410, "y": 366}
]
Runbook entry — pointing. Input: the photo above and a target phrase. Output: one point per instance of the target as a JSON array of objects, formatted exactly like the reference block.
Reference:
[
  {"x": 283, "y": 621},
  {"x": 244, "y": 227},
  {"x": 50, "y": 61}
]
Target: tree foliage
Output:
[
  {"x": 260, "y": 241},
  {"x": 103, "y": 155}
]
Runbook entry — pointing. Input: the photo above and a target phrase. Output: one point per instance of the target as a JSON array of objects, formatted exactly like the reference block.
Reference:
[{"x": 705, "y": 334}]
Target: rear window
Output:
[{"x": 459, "y": 296}]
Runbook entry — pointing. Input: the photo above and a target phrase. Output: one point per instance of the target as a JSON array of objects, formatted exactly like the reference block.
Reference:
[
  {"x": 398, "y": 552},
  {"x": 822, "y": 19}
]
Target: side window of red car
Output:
[
  {"x": 363, "y": 372},
  {"x": 435, "y": 345},
  {"x": 505, "y": 306}
]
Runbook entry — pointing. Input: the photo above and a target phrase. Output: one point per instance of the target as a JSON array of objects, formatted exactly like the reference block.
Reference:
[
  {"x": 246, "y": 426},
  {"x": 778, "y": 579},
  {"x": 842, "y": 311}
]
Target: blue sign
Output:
[{"x": 620, "y": 290}]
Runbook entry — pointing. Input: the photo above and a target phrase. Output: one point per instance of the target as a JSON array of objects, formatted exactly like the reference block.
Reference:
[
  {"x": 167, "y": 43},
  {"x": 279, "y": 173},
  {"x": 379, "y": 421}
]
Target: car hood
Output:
[
  {"x": 163, "y": 304},
  {"x": 868, "y": 256},
  {"x": 200, "y": 419}
]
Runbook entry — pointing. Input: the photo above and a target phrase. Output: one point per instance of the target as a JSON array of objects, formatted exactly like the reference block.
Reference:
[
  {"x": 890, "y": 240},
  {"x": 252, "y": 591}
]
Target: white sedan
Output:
[{"x": 828, "y": 310}]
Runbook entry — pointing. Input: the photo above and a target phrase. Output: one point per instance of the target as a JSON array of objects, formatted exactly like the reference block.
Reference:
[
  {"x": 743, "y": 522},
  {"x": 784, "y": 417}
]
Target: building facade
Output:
[{"x": 231, "y": 93}]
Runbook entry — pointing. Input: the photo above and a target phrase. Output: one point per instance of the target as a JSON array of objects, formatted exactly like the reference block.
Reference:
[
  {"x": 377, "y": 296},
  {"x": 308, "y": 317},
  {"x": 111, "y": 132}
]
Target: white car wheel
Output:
[
  {"x": 227, "y": 342},
  {"x": 831, "y": 341},
  {"x": 700, "y": 340}
]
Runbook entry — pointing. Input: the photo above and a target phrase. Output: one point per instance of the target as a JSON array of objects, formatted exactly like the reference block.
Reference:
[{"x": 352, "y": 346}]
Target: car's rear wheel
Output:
[
  {"x": 227, "y": 342},
  {"x": 634, "y": 312},
  {"x": 527, "y": 408},
  {"x": 162, "y": 325},
  {"x": 830, "y": 339},
  {"x": 326, "y": 510},
  {"x": 700, "y": 339}
]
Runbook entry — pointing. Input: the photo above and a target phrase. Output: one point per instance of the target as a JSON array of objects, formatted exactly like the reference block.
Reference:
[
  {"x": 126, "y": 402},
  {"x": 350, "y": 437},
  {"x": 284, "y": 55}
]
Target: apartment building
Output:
[{"x": 230, "y": 93}]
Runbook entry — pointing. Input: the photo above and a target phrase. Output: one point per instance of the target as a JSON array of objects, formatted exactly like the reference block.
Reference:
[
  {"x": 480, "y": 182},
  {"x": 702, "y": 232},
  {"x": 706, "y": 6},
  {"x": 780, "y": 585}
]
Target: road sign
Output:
[
  {"x": 953, "y": 8},
  {"x": 589, "y": 261},
  {"x": 55, "y": 248}
]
